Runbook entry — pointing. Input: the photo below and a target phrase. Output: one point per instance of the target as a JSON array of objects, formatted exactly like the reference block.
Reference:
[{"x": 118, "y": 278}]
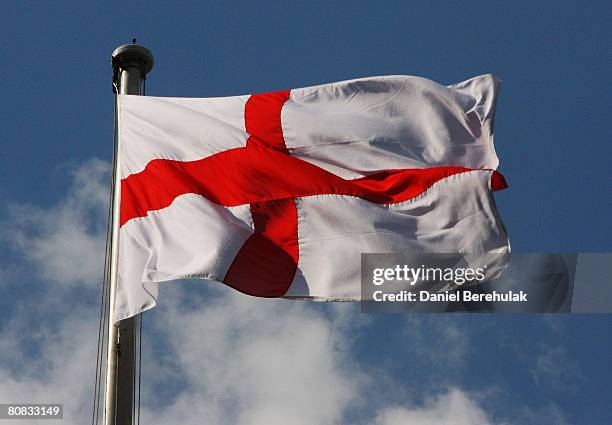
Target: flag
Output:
[{"x": 278, "y": 194}]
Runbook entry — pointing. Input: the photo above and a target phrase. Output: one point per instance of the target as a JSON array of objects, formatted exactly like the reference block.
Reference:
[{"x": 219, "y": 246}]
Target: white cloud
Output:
[
  {"x": 63, "y": 244},
  {"x": 232, "y": 359},
  {"x": 224, "y": 359},
  {"x": 48, "y": 335},
  {"x": 453, "y": 407},
  {"x": 60, "y": 368},
  {"x": 266, "y": 361}
]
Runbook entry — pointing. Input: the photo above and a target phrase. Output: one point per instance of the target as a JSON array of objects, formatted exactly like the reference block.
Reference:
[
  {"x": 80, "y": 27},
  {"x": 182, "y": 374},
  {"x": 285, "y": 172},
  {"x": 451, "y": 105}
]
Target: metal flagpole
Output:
[{"x": 131, "y": 63}]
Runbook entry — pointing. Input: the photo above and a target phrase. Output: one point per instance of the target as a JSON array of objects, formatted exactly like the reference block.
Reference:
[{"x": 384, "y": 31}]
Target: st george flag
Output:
[{"x": 278, "y": 194}]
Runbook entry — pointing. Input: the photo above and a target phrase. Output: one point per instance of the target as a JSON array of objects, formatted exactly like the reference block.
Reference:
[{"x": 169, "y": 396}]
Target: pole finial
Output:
[
  {"x": 133, "y": 55},
  {"x": 130, "y": 55}
]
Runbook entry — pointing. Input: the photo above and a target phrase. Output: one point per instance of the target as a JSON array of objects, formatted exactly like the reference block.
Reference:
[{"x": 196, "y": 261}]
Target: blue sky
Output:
[{"x": 552, "y": 135}]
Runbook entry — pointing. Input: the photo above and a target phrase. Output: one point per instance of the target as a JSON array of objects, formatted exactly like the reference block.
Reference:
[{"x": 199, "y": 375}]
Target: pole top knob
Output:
[{"x": 133, "y": 55}]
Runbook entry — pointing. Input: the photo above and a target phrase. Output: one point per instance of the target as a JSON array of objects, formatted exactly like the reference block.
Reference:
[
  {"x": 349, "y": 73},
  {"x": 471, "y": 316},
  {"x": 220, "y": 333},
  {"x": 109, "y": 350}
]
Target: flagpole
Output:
[{"x": 131, "y": 63}]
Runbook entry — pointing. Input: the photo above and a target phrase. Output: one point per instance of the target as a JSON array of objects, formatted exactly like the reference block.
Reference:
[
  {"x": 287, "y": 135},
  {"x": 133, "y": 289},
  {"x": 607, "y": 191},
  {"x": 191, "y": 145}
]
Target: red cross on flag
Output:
[{"x": 278, "y": 194}]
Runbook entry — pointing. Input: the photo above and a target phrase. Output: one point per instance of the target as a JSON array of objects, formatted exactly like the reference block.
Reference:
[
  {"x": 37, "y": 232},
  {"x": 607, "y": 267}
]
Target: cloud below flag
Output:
[{"x": 278, "y": 194}]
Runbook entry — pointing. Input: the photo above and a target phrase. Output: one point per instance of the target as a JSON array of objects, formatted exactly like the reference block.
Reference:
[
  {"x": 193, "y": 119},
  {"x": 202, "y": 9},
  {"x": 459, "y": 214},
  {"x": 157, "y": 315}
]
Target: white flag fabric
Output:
[{"x": 278, "y": 194}]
